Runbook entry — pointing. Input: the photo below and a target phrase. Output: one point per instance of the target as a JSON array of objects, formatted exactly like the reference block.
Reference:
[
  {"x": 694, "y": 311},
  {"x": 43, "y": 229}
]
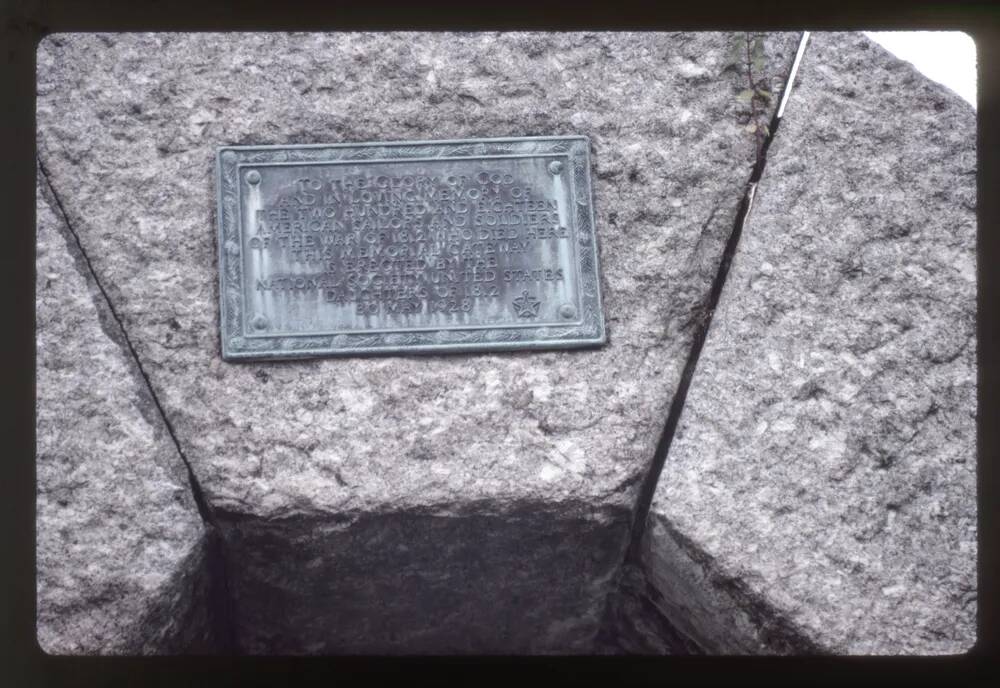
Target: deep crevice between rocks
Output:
[
  {"x": 219, "y": 590},
  {"x": 450, "y": 590},
  {"x": 647, "y": 489}
]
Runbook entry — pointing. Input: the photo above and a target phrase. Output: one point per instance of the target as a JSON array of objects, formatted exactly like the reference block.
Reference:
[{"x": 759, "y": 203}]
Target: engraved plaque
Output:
[{"x": 429, "y": 246}]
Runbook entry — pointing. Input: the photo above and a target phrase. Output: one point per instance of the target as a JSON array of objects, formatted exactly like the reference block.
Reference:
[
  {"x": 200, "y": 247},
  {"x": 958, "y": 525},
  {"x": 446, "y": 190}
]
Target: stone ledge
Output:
[
  {"x": 820, "y": 491},
  {"x": 120, "y": 554}
]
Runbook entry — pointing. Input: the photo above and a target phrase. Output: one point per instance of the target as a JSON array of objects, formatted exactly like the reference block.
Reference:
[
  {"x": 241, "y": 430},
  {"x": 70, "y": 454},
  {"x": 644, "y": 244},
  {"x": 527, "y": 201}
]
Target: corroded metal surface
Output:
[{"x": 429, "y": 246}]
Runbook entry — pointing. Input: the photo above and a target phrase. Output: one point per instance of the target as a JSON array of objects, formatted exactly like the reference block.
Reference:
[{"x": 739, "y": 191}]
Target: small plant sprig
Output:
[{"x": 754, "y": 99}]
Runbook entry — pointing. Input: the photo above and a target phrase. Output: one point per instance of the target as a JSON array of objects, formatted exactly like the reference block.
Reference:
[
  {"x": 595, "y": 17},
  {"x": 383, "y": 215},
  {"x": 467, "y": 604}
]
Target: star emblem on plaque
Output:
[{"x": 526, "y": 306}]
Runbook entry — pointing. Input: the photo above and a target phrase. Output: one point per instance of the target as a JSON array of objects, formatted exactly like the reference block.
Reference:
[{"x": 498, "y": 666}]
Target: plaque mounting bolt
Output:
[
  {"x": 259, "y": 322},
  {"x": 567, "y": 310},
  {"x": 555, "y": 167},
  {"x": 253, "y": 177}
]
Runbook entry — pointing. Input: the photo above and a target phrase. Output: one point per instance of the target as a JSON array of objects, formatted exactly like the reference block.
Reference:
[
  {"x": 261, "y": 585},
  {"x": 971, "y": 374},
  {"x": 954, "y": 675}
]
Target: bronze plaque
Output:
[{"x": 422, "y": 247}]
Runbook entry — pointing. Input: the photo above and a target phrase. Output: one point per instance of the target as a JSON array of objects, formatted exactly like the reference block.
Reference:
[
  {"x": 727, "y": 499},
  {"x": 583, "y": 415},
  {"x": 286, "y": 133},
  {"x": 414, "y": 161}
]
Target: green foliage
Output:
[{"x": 747, "y": 55}]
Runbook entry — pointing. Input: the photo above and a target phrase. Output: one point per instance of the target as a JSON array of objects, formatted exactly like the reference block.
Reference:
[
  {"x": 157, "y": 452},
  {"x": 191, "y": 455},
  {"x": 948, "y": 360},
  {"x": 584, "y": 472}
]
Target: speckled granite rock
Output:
[
  {"x": 333, "y": 477},
  {"x": 820, "y": 491},
  {"x": 121, "y": 553}
]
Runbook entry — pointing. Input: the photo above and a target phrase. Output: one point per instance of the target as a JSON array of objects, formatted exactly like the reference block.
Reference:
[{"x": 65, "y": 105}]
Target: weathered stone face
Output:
[
  {"x": 318, "y": 470},
  {"x": 820, "y": 490},
  {"x": 120, "y": 545}
]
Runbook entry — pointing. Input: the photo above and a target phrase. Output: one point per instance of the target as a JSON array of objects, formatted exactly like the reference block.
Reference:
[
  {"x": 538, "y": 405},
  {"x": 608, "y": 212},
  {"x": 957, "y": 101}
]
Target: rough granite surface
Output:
[
  {"x": 120, "y": 543},
  {"x": 820, "y": 491},
  {"x": 313, "y": 467}
]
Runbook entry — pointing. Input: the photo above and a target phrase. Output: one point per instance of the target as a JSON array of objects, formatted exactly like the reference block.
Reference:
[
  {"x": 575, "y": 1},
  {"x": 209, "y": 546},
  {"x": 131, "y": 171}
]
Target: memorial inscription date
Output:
[{"x": 450, "y": 248}]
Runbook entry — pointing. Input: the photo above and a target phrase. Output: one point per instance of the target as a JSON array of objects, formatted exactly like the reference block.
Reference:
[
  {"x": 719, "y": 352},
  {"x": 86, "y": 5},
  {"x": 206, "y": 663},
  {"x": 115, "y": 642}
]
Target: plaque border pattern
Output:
[{"x": 586, "y": 331}]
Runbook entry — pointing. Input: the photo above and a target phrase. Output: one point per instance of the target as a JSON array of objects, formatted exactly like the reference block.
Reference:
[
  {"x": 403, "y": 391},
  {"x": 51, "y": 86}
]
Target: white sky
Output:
[{"x": 948, "y": 57}]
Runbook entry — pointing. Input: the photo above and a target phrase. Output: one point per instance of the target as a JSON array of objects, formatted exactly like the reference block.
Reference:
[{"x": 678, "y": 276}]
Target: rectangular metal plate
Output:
[{"x": 427, "y": 246}]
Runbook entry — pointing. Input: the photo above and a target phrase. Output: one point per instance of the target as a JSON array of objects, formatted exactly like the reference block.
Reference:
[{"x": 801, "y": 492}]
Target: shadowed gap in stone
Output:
[
  {"x": 529, "y": 580},
  {"x": 648, "y": 488}
]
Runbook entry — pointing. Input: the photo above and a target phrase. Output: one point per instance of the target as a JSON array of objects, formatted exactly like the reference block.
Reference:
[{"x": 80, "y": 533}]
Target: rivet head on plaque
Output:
[
  {"x": 567, "y": 310},
  {"x": 555, "y": 167},
  {"x": 253, "y": 177},
  {"x": 259, "y": 322}
]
